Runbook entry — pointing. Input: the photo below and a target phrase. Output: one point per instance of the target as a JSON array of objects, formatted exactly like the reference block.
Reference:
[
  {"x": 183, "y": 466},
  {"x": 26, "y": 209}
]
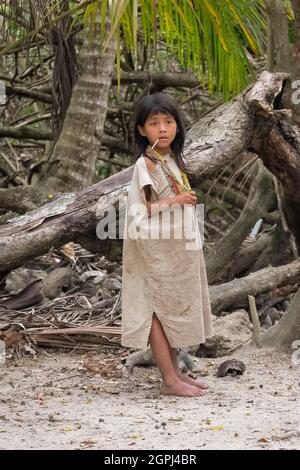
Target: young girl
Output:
[{"x": 165, "y": 299}]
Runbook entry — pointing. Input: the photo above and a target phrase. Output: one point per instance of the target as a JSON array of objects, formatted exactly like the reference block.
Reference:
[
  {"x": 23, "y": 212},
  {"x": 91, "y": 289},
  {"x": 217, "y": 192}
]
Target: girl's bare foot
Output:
[
  {"x": 190, "y": 380},
  {"x": 181, "y": 389}
]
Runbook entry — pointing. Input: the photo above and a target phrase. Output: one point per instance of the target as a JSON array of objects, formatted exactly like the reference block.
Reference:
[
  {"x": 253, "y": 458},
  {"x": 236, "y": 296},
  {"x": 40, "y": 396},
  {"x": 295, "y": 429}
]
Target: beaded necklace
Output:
[{"x": 175, "y": 184}]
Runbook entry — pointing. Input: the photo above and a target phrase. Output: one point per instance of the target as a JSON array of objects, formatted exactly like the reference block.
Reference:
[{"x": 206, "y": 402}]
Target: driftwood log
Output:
[
  {"x": 68, "y": 217},
  {"x": 235, "y": 293}
]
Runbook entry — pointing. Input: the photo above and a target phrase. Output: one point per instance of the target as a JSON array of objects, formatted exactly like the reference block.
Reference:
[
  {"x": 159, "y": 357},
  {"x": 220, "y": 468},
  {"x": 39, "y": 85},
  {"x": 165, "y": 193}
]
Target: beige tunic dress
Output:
[{"x": 162, "y": 274}]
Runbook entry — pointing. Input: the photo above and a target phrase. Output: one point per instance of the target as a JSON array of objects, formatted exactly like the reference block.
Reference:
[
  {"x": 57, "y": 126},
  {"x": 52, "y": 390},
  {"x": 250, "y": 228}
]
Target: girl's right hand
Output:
[{"x": 188, "y": 197}]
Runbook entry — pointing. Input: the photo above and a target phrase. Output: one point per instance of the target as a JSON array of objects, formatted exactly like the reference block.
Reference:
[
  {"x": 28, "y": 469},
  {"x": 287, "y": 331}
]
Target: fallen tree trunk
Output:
[
  {"x": 227, "y": 131},
  {"x": 69, "y": 217},
  {"x": 235, "y": 293}
]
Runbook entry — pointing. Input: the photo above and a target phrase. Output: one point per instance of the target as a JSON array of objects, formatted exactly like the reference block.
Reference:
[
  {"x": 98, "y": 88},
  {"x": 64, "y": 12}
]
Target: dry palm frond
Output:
[
  {"x": 222, "y": 172},
  {"x": 246, "y": 170},
  {"x": 78, "y": 319}
]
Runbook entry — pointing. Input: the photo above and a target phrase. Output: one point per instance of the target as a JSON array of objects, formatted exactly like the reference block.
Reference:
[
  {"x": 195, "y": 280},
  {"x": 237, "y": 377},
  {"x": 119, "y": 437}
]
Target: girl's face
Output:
[{"x": 159, "y": 126}]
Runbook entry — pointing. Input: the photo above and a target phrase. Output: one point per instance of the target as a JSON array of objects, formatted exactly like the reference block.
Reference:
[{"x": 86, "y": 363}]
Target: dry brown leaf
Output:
[
  {"x": 87, "y": 443},
  {"x": 68, "y": 251},
  {"x": 263, "y": 440},
  {"x": 91, "y": 367}
]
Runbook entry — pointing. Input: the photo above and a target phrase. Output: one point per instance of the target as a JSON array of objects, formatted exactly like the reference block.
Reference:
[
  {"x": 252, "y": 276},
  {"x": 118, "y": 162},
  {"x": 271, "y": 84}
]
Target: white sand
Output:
[{"x": 260, "y": 409}]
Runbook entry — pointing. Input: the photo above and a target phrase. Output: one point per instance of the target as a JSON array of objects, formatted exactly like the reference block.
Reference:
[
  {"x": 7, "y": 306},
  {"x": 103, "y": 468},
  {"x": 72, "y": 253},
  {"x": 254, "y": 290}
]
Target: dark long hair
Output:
[{"x": 159, "y": 102}]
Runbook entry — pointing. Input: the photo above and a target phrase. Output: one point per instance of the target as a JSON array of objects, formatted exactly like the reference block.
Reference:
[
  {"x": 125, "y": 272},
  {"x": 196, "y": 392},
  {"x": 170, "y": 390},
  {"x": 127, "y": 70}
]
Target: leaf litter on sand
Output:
[{"x": 92, "y": 310}]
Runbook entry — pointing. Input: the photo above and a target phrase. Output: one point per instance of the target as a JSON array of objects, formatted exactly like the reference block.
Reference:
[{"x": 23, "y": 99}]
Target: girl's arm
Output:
[{"x": 153, "y": 207}]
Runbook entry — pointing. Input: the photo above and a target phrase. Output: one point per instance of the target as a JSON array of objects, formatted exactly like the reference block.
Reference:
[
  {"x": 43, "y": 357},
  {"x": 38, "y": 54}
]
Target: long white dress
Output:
[{"x": 162, "y": 275}]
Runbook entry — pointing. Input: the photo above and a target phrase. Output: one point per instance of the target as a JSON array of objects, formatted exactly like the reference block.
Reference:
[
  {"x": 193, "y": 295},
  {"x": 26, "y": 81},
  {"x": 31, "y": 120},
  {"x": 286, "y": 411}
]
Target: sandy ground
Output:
[{"x": 80, "y": 401}]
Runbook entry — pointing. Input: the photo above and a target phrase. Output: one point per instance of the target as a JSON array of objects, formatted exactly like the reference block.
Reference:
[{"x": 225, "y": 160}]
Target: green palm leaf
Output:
[{"x": 208, "y": 37}]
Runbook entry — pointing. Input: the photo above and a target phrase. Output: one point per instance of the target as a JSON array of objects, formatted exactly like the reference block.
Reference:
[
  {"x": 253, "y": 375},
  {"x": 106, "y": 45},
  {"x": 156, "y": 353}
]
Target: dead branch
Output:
[
  {"x": 28, "y": 93},
  {"x": 235, "y": 293}
]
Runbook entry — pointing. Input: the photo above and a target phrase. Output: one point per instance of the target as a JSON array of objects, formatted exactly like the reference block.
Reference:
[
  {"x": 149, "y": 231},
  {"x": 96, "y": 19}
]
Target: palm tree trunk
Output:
[{"x": 75, "y": 153}]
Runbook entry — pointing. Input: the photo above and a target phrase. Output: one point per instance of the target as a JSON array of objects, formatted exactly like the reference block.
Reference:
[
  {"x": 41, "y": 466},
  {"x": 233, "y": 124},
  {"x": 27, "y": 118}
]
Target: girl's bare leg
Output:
[
  {"x": 183, "y": 377},
  {"x": 171, "y": 383}
]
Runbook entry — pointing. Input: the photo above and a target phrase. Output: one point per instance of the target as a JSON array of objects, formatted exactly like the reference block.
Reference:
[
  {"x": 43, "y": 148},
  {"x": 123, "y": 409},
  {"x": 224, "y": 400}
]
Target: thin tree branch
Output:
[
  {"x": 26, "y": 93},
  {"x": 25, "y": 133}
]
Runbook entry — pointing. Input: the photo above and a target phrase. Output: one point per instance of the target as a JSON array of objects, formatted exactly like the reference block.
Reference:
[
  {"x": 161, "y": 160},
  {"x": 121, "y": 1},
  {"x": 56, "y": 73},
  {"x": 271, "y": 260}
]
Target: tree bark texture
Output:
[{"x": 77, "y": 148}]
